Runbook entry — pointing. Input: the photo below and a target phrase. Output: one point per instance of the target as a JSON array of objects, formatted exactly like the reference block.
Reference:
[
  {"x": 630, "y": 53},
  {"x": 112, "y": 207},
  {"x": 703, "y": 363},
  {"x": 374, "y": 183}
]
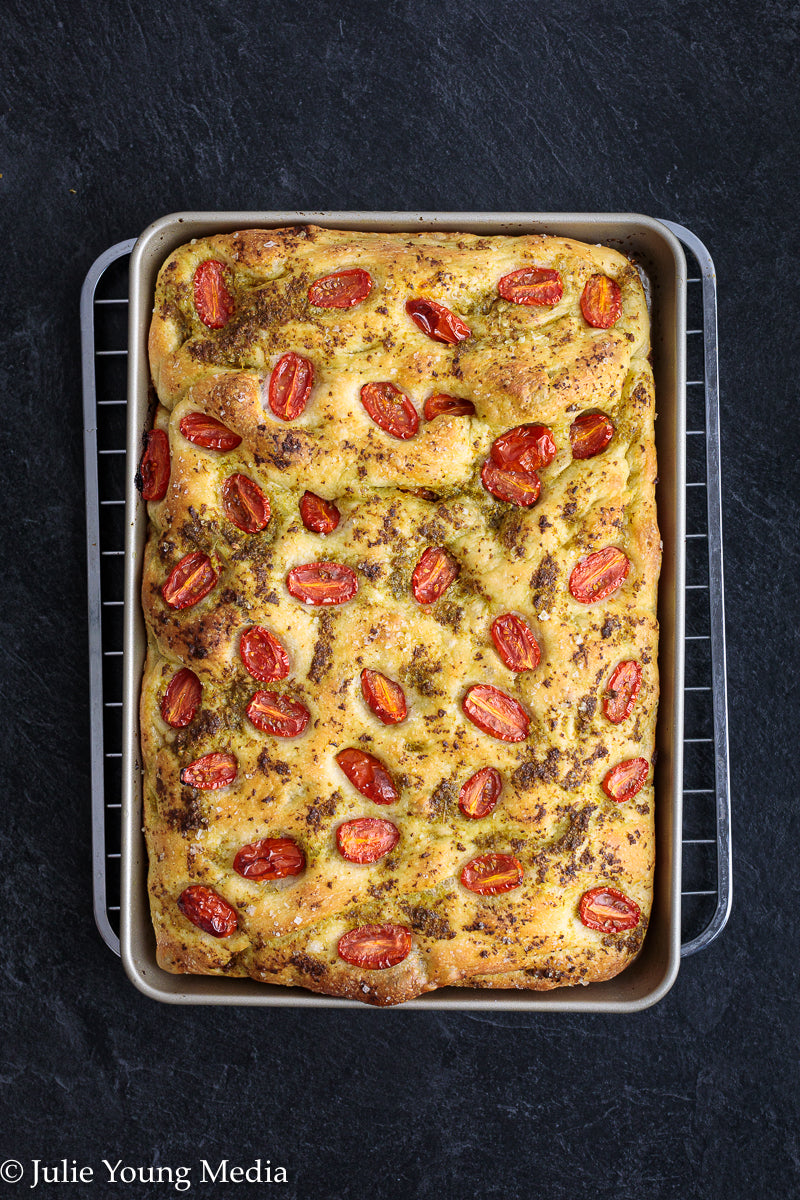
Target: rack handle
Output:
[
  {"x": 719, "y": 694},
  {"x": 96, "y": 699}
]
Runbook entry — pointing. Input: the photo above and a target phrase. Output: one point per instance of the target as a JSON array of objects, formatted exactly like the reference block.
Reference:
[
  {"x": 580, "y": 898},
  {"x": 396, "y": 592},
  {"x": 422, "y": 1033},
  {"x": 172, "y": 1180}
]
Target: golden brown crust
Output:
[{"x": 521, "y": 364}]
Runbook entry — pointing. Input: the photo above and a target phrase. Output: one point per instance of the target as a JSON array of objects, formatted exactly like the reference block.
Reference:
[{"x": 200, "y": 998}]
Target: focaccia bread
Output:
[{"x": 399, "y": 702}]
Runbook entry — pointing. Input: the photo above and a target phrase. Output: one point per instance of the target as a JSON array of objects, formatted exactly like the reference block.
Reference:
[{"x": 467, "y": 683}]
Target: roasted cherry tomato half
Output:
[
  {"x": 524, "y": 448},
  {"x": 383, "y": 696},
  {"x": 442, "y": 405},
  {"x": 532, "y": 285},
  {"x": 601, "y": 302},
  {"x": 490, "y": 874},
  {"x": 626, "y": 779},
  {"x": 244, "y": 504},
  {"x": 269, "y": 858},
  {"x": 320, "y": 516},
  {"x": 599, "y": 575},
  {"x": 322, "y": 583},
  {"x": 206, "y": 909},
  {"x": 438, "y": 322},
  {"x": 154, "y": 467},
  {"x": 366, "y": 839},
  {"x": 290, "y": 386},
  {"x": 342, "y": 289},
  {"x": 390, "y": 409},
  {"x": 622, "y": 690},
  {"x": 213, "y": 301},
  {"x": 589, "y": 434},
  {"x": 479, "y": 795},
  {"x": 515, "y": 643},
  {"x": 181, "y": 699},
  {"x": 515, "y": 487},
  {"x": 208, "y": 432},
  {"x": 263, "y": 655},
  {"x": 191, "y": 580},
  {"x": 607, "y": 909},
  {"x": 433, "y": 575},
  {"x": 368, "y": 776},
  {"x": 211, "y": 771},
  {"x": 495, "y": 713},
  {"x": 280, "y": 715},
  {"x": 375, "y": 947}
]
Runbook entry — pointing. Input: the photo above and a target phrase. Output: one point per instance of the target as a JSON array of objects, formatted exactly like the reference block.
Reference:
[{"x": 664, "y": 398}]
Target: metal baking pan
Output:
[{"x": 659, "y": 255}]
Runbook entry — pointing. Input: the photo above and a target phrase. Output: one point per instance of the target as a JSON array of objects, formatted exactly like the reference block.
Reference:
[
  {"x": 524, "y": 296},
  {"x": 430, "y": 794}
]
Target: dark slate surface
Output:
[{"x": 113, "y": 115}]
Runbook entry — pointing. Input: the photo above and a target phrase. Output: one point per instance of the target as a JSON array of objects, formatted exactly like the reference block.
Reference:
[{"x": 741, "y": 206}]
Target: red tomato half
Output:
[
  {"x": 154, "y": 467},
  {"x": 491, "y": 874},
  {"x": 433, "y": 575},
  {"x": 390, "y": 409},
  {"x": 384, "y": 697},
  {"x": 479, "y": 795},
  {"x": 206, "y": 909},
  {"x": 276, "y": 714},
  {"x": 601, "y": 302},
  {"x": 368, "y": 776},
  {"x": 188, "y": 582},
  {"x": 444, "y": 405},
  {"x": 322, "y": 583},
  {"x": 269, "y": 858},
  {"x": 263, "y": 655},
  {"x": 438, "y": 322},
  {"x": 515, "y": 487},
  {"x": 599, "y": 575},
  {"x": 213, "y": 301},
  {"x": 318, "y": 515},
  {"x": 607, "y": 909},
  {"x": 290, "y": 386},
  {"x": 208, "y": 432},
  {"x": 589, "y": 434},
  {"x": 244, "y": 504},
  {"x": 515, "y": 643},
  {"x": 626, "y": 779},
  {"x": 181, "y": 699},
  {"x": 375, "y": 947},
  {"x": 342, "y": 289},
  {"x": 532, "y": 285},
  {"x": 622, "y": 690},
  {"x": 524, "y": 448},
  {"x": 366, "y": 839},
  {"x": 211, "y": 771},
  {"x": 495, "y": 713}
]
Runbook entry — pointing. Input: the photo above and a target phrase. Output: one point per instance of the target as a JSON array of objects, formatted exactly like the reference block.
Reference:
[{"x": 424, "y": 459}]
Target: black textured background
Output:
[{"x": 114, "y": 114}]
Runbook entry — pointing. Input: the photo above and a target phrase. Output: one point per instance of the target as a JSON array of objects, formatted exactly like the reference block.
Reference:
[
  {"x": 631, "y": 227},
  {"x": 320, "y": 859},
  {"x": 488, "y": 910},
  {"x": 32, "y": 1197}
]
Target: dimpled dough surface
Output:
[{"x": 521, "y": 364}]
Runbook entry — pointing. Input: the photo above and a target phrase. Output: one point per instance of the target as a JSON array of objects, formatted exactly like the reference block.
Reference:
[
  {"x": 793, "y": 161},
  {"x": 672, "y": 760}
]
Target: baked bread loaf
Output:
[{"x": 399, "y": 702}]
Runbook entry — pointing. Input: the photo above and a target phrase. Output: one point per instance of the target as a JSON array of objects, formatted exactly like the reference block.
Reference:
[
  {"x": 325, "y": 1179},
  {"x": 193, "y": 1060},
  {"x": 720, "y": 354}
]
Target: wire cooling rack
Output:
[{"x": 707, "y": 882}]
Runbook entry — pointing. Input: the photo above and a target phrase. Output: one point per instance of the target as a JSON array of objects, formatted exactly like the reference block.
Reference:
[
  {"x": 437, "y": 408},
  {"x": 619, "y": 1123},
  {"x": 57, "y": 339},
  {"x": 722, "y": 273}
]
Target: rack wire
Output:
[{"x": 707, "y": 879}]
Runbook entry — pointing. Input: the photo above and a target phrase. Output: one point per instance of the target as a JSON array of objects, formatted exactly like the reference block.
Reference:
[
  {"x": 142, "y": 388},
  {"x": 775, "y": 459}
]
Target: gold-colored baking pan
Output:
[{"x": 660, "y": 257}]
